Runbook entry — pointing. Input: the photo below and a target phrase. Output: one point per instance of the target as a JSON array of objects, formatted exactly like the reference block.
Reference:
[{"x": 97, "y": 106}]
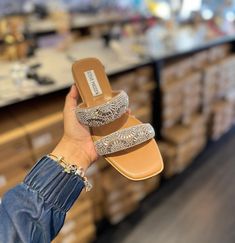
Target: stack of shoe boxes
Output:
[
  {"x": 222, "y": 118},
  {"x": 122, "y": 196},
  {"x": 182, "y": 143},
  {"x": 198, "y": 127},
  {"x": 16, "y": 156},
  {"x": 230, "y": 97},
  {"x": 119, "y": 201},
  {"x": 192, "y": 104},
  {"x": 199, "y": 60},
  {"x": 43, "y": 124},
  {"x": 191, "y": 93},
  {"x": 209, "y": 87},
  {"x": 94, "y": 176},
  {"x": 180, "y": 137},
  {"x": 139, "y": 85},
  {"x": 168, "y": 152},
  {"x": 218, "y": 53},
  {"x": 222, "y": 115},
  {"x": 172, "y": 102}
]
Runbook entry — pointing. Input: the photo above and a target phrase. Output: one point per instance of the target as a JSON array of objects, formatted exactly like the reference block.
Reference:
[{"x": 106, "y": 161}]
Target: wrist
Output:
[{"x": 72, "y": 152}]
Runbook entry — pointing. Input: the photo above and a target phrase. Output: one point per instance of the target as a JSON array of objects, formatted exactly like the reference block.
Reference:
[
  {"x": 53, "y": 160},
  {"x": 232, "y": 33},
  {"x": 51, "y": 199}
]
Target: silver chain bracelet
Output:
[{"x": 72, "y": 169}]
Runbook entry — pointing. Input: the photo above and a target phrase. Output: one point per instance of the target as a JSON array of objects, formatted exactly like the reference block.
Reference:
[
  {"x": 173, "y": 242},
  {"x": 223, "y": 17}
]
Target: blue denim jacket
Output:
[{"x": 34, "y": 211}]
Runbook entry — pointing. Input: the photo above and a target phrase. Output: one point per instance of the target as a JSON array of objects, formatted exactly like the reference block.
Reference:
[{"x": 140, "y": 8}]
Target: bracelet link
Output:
[{"x": 72, "y": 169}]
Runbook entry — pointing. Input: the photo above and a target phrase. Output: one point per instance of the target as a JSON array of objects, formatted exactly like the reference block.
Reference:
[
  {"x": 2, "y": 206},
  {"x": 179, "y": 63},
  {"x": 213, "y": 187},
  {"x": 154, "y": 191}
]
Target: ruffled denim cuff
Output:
[{"x": 56, "y": 187}]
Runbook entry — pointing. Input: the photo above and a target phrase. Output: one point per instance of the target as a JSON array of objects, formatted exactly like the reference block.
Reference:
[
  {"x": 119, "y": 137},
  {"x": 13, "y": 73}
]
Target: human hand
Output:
[{"x": 76, "y": 145}]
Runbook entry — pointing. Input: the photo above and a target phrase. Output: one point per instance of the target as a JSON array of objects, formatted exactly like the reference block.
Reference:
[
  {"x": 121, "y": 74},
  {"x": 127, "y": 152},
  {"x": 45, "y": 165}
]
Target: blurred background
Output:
[{"x": 176, "y": 61}]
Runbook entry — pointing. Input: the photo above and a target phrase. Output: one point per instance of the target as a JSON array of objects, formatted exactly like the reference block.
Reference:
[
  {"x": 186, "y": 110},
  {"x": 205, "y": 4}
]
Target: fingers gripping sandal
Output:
[{"x": 126, "y": 143}]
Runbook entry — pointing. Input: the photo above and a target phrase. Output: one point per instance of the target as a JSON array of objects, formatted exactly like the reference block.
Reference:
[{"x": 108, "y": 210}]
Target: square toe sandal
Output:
[{"x": 125, "y": 142}]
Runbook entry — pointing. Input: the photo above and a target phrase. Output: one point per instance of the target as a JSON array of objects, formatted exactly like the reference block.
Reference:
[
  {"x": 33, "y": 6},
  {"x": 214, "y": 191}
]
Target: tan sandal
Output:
[{"x": 126, "y": 143}]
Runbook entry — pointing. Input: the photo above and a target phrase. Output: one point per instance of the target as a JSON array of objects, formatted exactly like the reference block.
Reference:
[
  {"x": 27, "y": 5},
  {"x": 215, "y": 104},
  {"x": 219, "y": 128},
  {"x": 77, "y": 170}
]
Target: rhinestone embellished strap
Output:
[
  {"x": 105, "y": 113},
  {"x": 125, "y": 138}
]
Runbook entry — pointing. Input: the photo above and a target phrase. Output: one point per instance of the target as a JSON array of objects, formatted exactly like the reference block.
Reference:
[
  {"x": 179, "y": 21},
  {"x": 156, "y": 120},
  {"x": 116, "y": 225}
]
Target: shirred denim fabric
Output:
[{"x": 34, "y": 211}]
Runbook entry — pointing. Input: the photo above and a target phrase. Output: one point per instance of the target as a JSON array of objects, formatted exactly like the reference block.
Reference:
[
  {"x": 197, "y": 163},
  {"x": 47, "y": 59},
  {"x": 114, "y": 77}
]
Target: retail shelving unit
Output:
[{"x": 125, "y": 73}]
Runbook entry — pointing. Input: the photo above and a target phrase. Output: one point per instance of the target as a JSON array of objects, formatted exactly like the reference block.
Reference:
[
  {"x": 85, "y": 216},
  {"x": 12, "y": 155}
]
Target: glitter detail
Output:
[
  {"x": 105, "y": 113},
  {"x": 125, "y": 138}
]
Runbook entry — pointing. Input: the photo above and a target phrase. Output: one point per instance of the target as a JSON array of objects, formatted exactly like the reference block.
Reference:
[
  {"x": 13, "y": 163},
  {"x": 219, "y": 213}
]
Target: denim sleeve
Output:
[{"x": 34, "y": 211}]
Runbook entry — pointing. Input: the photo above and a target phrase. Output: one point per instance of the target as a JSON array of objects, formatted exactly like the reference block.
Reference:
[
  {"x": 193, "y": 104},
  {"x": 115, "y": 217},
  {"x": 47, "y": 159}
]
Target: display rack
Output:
[
  {"x": 122, "y": 74},
  {"x": 157, "y": 60}
]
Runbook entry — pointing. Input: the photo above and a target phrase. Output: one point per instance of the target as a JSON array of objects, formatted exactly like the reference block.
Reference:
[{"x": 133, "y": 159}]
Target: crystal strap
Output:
[
  {"x": 125, "y": 138},
  {"x": 105, "y": 113}
]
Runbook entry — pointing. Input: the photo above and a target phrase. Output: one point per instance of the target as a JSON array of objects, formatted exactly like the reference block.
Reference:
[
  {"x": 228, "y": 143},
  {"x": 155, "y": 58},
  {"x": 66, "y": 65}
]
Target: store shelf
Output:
[
  {"x": 57, "y": 65},
  {"x": 61, "y": 72},
  {"x": 81, "y": 21},
  {"x": 153, "y": 84},
  {"x": 189, "y": 46}
]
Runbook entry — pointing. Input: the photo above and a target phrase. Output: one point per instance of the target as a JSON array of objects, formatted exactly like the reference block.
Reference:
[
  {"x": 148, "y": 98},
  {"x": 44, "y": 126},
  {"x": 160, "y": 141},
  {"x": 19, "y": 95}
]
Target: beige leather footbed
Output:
[{"x": 140, "y": 162}]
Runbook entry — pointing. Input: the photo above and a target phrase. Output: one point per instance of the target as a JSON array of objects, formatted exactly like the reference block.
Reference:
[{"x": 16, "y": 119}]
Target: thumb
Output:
[{"x": 71, "y": 99}]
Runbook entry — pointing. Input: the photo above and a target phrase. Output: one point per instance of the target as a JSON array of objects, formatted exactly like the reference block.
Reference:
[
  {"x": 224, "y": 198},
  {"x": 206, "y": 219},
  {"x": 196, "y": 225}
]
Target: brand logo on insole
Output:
[{"x": 93, "y": 83}]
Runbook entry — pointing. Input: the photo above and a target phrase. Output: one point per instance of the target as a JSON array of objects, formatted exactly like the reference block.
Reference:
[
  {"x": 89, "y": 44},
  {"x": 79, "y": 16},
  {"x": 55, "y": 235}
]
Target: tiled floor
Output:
[
  {"x": 196, "y": 207},
  {"x": 201, "y": 210}
]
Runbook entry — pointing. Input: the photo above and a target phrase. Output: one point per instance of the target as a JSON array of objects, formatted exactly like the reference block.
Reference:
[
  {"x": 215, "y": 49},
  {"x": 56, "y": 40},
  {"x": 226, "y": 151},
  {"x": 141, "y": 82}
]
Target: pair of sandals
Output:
[{"x": 126, "y": 143}]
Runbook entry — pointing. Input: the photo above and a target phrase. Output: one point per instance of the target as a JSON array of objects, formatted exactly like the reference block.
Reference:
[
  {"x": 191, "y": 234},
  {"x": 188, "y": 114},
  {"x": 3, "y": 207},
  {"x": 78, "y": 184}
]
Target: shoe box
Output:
[
  {"x": 101, "y": 163},
  {"x": 191, "y": 92},
  {"x": 96, "y": 194},
  {"x": 172, "y": 102},
  {"x": 176, "y": 69},
  {"x": 180, "y": 137},
  {"x": 151, "y": 184},
  {"x": 218, "y": 53},
  {"x": 139, "y": 85},
  {"x": 209, "y": 86},
  {"x": 181, "y": 144},
  {"x": 45, "y": 133},
  {"x": 168, "y": 152},
  {"x": 221, "y": 119},
  {"x": 226, "y": 76},
  {"x": 118, "y": 200},
  {"x": 14, "y": 146},
  {"x": 124, "y": 82},
  {"x": 230, "y": 97},
  {"x": 13, "y": 176},
  {"x": 198, "y": 127},
  {"x": 218, "y": 81},
  {"x": 42, "y": 122},
  {"x": 181, "y": 98},
  {"x": 122, "y": 196},
  {"x": 16, "y": 156},
  {"x": 144, "y": 114},
  {"x": 168, "y": 73},
  {"x": 199, "y": 60}
]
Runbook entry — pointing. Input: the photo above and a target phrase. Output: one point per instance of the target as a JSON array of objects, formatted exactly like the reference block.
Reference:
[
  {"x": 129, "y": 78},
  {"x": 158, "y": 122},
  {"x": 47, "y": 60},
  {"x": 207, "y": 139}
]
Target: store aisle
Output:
[{"x": 201, "y": 209}]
